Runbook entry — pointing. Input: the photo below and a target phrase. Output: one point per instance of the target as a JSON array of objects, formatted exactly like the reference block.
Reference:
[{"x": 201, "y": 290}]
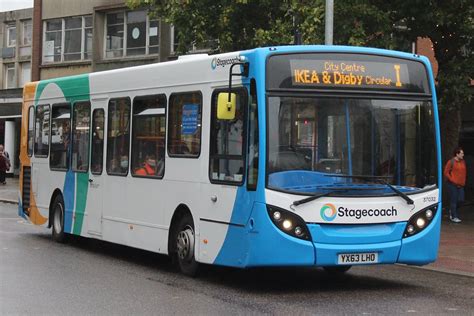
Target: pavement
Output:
[{"x": 456, "y": 249}]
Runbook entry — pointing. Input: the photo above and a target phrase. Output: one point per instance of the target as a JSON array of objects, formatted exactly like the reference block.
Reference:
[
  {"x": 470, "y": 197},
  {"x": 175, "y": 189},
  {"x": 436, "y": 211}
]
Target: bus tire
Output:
[
  {"x": 58, "y": 220},
  {"x": 337, "y": 270},
  {"x": 185, "y": 245}
]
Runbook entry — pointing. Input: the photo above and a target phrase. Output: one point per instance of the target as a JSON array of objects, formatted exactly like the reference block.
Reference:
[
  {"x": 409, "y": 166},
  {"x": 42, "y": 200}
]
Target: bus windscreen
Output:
[{"x": 346, "y": 72}]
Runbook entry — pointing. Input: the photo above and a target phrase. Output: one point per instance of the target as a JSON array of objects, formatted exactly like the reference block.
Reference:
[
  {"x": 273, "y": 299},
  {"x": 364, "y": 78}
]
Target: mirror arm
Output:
[{"x": 244, "y": 73}]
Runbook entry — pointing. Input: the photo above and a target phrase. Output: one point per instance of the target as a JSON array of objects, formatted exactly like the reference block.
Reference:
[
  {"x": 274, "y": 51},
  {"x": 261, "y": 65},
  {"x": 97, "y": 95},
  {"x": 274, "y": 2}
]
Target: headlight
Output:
[
  {"x": 289, "y": 222},
  {"x": 420, "y": 220}
]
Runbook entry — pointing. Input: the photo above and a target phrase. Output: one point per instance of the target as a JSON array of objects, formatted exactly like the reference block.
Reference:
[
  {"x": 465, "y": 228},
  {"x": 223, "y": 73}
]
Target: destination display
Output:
[{"x": 346, "y": 71}]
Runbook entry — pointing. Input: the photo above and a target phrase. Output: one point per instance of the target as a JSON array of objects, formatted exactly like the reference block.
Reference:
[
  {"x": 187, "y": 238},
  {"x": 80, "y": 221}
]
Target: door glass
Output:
[{"x": 97, "y": 152}]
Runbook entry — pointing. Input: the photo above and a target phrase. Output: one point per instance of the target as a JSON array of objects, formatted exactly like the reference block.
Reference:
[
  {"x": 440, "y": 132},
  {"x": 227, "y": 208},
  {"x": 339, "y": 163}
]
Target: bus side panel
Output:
[
  {"x": 260, "y": 243},
  {"x": 233, "y": 244}
]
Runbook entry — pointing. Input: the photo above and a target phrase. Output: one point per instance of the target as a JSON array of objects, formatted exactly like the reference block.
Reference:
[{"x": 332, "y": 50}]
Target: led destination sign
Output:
[{"x": 346, "y": 71}]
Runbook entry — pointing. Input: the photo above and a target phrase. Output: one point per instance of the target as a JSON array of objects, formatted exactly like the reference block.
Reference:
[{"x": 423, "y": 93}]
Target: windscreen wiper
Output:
[
  {"x": 311, "y": 198},
  {"x": 333, "y": 190},
  {"x": 382, "y": 180}
]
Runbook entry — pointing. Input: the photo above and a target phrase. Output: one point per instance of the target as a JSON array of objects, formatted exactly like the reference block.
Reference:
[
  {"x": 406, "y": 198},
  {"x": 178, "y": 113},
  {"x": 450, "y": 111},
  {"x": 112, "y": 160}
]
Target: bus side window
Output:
[
  {"x": 97, "y": 148},
  {"x": 80, "y": 136},
  {"x": 148, "y": 136},
  {"x": 60, "y": 136},
  {"x": 31, "y": 130},
  {"x": 42, "y": 131},
  {"x": 227, "y": 143},
  {"x": 252, "y": 174},
  {"x": 184, "y": 129},
  {"x": 118, "y": 137}
]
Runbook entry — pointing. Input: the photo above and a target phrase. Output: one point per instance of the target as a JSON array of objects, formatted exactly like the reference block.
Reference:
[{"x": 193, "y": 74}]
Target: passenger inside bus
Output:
[{"x": 149, "y": 166}]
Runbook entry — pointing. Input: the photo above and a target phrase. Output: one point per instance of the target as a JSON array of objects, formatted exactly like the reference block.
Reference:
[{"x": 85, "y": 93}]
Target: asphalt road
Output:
[{"x": 88, "y": 277}]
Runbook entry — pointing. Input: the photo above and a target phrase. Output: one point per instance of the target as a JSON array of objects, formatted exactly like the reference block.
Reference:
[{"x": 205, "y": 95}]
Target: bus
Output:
[{"x": 316, "y": 156}]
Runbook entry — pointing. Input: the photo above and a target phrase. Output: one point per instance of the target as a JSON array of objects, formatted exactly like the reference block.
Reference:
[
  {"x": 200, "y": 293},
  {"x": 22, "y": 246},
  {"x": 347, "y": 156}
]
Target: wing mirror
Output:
[{"x": 226, "y": 106}]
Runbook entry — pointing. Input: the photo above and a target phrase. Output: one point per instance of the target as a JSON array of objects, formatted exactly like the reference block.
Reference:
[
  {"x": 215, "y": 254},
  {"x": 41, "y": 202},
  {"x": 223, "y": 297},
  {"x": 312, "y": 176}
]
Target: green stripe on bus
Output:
[{"x": 81, "y": 198}]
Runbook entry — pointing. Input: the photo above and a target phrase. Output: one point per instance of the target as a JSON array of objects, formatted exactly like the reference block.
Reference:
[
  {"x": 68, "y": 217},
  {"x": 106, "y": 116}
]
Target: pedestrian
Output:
[
  {"x": 455, "y": 174},
  {"x": 4, "y": 164}
]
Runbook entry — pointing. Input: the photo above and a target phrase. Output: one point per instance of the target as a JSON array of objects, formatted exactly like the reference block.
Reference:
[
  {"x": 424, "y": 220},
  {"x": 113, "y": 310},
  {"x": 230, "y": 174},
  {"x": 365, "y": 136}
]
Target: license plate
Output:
[{"x": 358, "y": 258}]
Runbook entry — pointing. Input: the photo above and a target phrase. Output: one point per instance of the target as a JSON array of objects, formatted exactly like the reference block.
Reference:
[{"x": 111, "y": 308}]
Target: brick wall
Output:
[{"x": 424, "y": 47}]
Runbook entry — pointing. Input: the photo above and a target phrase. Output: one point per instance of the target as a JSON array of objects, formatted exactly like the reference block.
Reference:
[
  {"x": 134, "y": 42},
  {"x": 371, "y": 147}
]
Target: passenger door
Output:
[
  {"x": 224, "y": 191},
  {"x": 96, "y": 180}
]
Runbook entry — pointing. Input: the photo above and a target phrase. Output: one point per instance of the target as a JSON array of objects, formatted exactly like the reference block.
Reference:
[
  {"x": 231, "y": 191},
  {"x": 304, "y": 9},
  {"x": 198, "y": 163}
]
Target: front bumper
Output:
[{"x": 263, "y": 244}]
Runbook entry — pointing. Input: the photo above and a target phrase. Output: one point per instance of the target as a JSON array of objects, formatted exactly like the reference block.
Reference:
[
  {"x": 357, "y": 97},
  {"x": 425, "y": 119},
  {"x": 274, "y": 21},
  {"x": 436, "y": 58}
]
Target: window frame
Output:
[
  {"x": 11, "y": 42},
  {"x": 73, "y": 128},
  {"x": 24, "y": 23},
  {"x": 32, "y": 131},
  {"x": 125, "y": 34},
  {"x": 63, "y": 40},
  {"x": 22, "y": 78},
  {"x": 49, "y": 130},
  {"x": 93, "y": 128},
  {"x": 10, "y": 67},
  {"x": 116, "y": 174},
  {"x": 66, "y": 30},
  {"x": 132, "y": 135},
  {"x": 169, "y": 134},
  {"x": 68, "y": 155},
  {"x": 243, "y": 155}
]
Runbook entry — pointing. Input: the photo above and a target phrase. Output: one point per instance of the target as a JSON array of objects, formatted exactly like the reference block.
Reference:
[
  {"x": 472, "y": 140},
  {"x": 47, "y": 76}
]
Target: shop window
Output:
[
  {"x": 184, "y": 131},
  {"x": 60, "y": 136},
  {"x": 80, "y": 136},
  {"x": 97, "y": 152},
  {"x": 227, "y": 143},
  {"x": 42, "y": 131},
  {"x": 118, "y": 136},
  {"x": 148, "y": 137}
]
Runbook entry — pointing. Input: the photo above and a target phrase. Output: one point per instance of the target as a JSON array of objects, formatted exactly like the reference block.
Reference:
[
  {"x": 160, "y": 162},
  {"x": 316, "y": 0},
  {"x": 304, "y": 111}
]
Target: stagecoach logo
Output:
[
  {"x": 216, "y": 62},
  {"x": 328, "y": 212}
]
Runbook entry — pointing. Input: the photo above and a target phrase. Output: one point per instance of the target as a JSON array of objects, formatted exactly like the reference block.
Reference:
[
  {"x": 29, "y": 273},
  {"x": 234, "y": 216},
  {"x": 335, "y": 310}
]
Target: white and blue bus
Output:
[{"x": 283, "y": 156}]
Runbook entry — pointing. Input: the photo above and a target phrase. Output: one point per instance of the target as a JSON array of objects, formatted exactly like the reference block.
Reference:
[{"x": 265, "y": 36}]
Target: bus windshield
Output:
[{"x": 349, "y": 146}]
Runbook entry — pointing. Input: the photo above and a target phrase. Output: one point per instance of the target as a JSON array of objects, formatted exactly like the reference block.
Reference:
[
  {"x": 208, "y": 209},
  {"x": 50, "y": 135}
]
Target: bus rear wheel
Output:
[
  {"x": 185, "y": 241},
  {"x": 58, "y": 220}
]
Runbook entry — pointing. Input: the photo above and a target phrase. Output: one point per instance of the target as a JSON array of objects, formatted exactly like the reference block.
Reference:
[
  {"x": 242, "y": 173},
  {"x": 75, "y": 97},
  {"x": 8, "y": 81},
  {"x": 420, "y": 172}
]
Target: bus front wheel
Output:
[
  {"x": 58, "y": 220},
  {"x": 185, "y": 241}
]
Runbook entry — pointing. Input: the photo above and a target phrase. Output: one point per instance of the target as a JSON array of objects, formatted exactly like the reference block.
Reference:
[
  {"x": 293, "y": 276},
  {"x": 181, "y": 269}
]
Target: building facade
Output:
[
  {"x": 16, "y": 37},
  {"x": 75, "y": 37},
  {"x": 94, "y": 35}
]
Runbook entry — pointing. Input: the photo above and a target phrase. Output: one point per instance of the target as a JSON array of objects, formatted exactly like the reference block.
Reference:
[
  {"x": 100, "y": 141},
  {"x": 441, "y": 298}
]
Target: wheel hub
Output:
[{"x": 185, "y": 244}]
